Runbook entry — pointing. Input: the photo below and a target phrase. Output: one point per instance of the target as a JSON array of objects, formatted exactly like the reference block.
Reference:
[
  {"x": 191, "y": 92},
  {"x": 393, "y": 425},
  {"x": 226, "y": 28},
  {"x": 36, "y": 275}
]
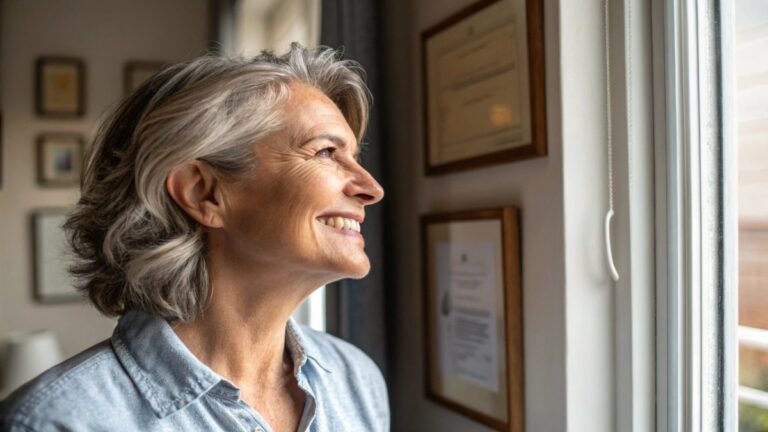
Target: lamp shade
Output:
[{"x": 26, "y": 356}]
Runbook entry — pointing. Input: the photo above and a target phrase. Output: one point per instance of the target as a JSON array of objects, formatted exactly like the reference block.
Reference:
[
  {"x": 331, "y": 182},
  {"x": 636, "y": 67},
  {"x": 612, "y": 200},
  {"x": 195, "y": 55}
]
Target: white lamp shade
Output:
[{"x": 27, "y": 355}]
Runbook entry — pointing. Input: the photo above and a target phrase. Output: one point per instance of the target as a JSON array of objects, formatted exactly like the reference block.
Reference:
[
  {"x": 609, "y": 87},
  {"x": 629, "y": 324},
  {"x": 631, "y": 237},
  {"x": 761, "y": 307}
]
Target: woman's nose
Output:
[{"x": 363, "y": 187}]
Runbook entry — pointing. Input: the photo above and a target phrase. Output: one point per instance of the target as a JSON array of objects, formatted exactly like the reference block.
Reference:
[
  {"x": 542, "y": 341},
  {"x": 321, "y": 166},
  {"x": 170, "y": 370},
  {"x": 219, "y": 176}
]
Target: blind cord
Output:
[{"x": 609, "y": 130}]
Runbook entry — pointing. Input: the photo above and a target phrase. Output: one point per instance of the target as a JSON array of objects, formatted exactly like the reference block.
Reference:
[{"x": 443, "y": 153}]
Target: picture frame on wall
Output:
[
  {"x": 1, "y": 149},
  {"x": 60, "y": 87},
  {"x": 59, "y": 159},
  {"x": 483, "y": 84},
  {"x": 473, "y": 326},
  {"x": 52, "y": 282},
  {"x": 136, "y": 72}
]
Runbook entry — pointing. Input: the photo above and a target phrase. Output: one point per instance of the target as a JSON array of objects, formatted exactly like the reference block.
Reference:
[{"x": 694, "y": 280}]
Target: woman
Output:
[{"x": 215, "y": 200}]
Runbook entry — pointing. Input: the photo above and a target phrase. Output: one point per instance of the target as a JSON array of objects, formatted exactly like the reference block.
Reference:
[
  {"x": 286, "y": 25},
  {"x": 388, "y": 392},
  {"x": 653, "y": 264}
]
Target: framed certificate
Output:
[
  {"x": 484, "y": 100},
  {"x": 473, "y": 315}
]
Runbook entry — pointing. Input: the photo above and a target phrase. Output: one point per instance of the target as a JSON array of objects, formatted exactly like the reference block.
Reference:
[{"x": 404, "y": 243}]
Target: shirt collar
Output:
[
  {"x": 165, "y": 372},
  {"x": 302, "y": 347},
  {"x": 170, "y": 377}
]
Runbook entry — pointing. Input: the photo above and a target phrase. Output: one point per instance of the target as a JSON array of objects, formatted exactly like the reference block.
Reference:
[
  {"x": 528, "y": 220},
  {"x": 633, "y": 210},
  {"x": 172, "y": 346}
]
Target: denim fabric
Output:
[{"x": 145, "y": 379}]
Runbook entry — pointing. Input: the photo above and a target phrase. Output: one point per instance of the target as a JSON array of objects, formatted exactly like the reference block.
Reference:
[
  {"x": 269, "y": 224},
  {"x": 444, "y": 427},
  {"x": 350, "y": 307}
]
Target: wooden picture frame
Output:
[
  {"x": 136, "y": 72},
  {"x": 473, "y": 325},
  {"x": 483, "y": 86},
  {"x": 59, "y": 87},
  {"x": 59, "y": 159},
  {"x": 52, "y": 282},
  {"x": 1, "y": 149}
]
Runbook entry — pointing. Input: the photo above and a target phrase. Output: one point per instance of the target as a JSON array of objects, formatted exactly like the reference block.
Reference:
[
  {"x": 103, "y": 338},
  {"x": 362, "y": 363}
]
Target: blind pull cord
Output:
[{"x": 609, "y": 214}]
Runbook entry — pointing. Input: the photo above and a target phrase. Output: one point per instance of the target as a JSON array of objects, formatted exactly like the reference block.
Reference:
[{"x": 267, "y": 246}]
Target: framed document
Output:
[
  {"x": 473, "y": 315},
  {"x": 60, "y": 87},
  {"x": 53, "y": 283},
  {"x": 484, "y": 86}
]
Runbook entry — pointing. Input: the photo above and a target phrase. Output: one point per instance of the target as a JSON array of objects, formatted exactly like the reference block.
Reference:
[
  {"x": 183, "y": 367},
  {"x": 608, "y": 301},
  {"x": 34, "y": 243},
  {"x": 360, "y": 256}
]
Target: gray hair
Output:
[{"x": 135, "y": 248}]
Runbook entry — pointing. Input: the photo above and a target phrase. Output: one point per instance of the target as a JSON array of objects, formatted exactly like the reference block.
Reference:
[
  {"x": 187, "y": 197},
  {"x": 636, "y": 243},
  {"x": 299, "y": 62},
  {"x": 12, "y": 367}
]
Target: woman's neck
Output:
[
  {"x": 246, "y": 352},
  {"x": 241, "y": 333},
  {"x": 241, "y": 336}
]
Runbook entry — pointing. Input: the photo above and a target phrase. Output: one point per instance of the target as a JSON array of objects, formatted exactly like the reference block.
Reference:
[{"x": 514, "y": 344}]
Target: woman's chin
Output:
[
  {"x": 361, "y": 274},
  {"x": 356, "y": 271}
]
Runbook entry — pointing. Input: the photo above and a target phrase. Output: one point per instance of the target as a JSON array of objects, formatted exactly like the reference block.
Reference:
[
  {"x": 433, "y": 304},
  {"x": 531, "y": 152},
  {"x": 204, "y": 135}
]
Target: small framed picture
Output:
[
  {"x": 53, "y": 284},
  {"x": 473, "y": 325},
  {"x": 135, "y": 73},
  {"x": 59, "y": 159},
  {"x": 60, "y": 87}
]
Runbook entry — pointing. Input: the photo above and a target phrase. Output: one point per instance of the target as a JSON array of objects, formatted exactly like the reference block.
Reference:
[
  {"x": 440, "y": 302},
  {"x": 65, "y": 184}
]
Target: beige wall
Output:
[
  {"x": 104, "y": 34},
  {"x": 568, "y": 300},
  {"x": 536, "y": 186}
]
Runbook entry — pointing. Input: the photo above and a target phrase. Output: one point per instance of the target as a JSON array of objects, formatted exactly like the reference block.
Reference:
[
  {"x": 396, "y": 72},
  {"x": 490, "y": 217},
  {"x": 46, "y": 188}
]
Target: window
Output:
[{"x": 751, "y": 98}]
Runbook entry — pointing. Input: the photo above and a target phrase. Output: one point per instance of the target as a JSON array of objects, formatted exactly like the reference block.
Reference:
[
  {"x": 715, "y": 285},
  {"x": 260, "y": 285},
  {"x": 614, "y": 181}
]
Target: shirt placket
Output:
[
  {"x": 250, "y": 418},
  {"x": 310, "y": 404}
]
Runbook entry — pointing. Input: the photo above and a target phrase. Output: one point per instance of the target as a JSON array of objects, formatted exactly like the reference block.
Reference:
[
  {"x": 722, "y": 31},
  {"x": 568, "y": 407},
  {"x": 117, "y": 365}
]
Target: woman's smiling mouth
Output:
[{"x": 340, "y": 223}]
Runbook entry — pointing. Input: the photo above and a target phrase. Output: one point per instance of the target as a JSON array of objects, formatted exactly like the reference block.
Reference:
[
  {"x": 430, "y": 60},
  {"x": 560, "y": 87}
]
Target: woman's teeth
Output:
[{"x": 340, "y": 223}]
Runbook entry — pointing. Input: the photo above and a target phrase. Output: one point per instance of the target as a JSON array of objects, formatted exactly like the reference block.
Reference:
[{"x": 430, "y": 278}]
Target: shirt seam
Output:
[{"x": 216, "y": 394}]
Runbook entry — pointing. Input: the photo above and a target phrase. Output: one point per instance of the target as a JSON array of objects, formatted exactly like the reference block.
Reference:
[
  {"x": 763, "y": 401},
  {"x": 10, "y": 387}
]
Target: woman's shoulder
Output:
[{"x": 70, "y": 390}]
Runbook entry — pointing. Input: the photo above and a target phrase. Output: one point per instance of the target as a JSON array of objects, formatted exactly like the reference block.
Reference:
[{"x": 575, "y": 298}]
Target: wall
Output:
[
  {"x": 535, "y": 186},
  {"x": 105, "y": 35},
  {"x": 568, "y": 306}
]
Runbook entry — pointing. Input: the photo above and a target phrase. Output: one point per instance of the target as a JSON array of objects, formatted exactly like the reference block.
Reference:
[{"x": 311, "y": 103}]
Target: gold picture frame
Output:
[
  {"x": 483, "y": 84},
  {"x": 473, "y": 326}
]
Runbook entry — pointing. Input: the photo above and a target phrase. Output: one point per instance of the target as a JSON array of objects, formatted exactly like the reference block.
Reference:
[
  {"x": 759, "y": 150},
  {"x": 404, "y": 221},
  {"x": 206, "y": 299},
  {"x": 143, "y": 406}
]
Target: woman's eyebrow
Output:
[{"x": 339, "y": 141}]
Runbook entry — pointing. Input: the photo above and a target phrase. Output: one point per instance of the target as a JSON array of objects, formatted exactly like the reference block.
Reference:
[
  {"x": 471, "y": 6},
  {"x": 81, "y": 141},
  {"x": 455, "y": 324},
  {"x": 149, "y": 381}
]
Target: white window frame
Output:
[{"x": 696, "y": 231}]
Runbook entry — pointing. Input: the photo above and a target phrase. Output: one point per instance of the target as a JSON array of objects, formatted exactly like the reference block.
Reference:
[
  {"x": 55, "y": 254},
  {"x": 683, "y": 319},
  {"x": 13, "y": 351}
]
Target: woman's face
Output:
[{"x": 301, "y": 207}]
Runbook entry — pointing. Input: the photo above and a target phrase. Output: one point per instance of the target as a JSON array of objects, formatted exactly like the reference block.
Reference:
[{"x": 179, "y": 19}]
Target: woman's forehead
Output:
[{"x": 311, "y": 113}]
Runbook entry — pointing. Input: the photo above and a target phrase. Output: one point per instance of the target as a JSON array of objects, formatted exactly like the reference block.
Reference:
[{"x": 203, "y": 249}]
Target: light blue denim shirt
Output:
[{"x": 145, "y": 379}]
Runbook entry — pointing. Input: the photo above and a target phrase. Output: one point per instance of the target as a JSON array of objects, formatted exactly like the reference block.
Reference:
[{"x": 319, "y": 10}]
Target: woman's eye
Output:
[{"x": 326, "y": 152}]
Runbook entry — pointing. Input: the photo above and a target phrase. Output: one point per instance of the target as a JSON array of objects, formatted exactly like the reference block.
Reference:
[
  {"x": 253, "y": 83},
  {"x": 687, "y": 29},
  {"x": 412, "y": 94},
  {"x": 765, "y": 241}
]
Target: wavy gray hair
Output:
[{"x": 135, "y": 248}]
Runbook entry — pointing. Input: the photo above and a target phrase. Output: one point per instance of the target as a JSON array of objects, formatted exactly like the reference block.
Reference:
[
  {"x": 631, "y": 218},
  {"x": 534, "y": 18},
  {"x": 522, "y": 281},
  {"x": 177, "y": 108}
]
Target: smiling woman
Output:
[
  {"x": 217, "y": 198},
  {"x": 304, "y": 174}
]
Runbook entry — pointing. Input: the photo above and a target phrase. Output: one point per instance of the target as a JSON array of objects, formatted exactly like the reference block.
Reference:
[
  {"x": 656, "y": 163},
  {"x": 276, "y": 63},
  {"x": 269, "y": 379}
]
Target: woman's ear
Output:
[{"x": 194, "y": 186}]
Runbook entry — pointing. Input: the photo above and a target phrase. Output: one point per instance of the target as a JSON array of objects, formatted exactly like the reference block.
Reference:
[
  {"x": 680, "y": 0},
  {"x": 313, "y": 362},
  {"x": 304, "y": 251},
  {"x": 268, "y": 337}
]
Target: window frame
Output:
[{"x": 696, "y": 229}]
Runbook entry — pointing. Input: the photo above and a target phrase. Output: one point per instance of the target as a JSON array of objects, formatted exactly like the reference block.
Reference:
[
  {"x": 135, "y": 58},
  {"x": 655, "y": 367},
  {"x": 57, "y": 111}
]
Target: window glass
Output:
[{"x": 751, "y": 62}]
